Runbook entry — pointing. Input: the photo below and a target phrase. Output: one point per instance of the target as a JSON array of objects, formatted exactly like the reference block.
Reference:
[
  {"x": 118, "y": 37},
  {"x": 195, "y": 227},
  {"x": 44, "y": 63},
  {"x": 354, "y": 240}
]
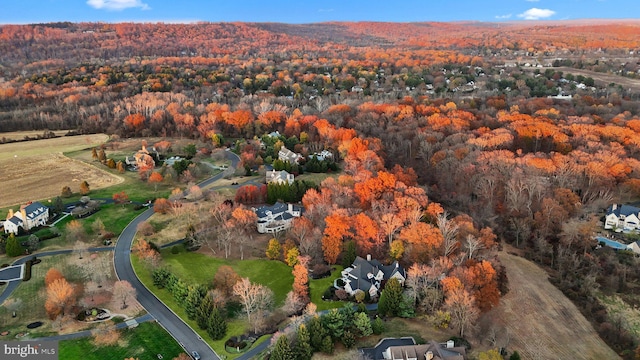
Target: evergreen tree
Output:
[
  {"x": 377, "y": 326},
  {"x": 327, "y": 345},
  {"x": 348, "y": 254},
  {"x": 194, "y": 299},
  {"x": 204, "y": 312},
  {"x": 216, "y": 325},
  {"x": 390, "y": 298},
  {"x": 514, "y": 356},
  {"x": 317, "y": 332},
  {"x": 333, "y": 321},
  {"x": 348, "y": 339},
  {"x": 302, "y": 350},
  {"x": 362, "y": 323},
  {"x": 58, "y": 205},
  {"x": 282, "y": 350},
  {"x": 13, "y": 247}
]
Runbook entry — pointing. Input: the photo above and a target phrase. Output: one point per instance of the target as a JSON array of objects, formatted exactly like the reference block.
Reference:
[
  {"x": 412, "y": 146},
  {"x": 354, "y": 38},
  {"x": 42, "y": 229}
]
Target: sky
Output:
[{"x": 310, "y": 11}]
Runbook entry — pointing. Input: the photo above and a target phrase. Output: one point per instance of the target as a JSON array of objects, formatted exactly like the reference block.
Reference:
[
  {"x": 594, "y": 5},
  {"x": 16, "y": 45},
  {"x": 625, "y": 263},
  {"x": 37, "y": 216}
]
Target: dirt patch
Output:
[
  {"x": 43, "y": 176},
  {"x": 541, "y": 321}
]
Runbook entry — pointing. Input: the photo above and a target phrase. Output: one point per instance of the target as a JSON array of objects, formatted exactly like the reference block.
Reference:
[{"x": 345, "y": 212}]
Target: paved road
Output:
[{"x": 182, "y": 332}]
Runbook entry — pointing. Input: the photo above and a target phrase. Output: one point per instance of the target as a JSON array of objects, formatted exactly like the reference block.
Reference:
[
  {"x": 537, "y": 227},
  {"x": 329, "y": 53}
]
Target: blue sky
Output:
[{"x": 301, "y": 11}]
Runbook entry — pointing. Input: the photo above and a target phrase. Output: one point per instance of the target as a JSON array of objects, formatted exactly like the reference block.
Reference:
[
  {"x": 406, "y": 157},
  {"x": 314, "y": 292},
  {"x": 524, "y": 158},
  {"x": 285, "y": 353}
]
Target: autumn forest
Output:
[{"x": 455, "y": 141}]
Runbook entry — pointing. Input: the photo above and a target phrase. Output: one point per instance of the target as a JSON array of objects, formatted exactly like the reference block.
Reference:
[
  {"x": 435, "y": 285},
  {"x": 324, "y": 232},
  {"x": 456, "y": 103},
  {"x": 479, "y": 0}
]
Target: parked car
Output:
[{"x": 195, "y": 355}]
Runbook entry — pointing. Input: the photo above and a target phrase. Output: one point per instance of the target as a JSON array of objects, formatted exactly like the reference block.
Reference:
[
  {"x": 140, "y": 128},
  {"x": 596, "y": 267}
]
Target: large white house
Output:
[
  {"x": 279, "y": 177},
  {"x": 622, "y": 218},
  {"x": 287, "y": 155},
  {"x": 29, "y": 216},
  {"x": 277, "y": 217},
  {"x": 367, "y": 275}
]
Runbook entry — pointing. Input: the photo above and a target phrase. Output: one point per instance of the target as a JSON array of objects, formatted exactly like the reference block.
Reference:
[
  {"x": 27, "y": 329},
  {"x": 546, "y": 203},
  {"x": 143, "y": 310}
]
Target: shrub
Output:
[
  {"x": 27, "y": 270},
  {"x": 175, "y": 249},
  {"x": 328, "y": 294},
  {"x": 321, "y": 271}
]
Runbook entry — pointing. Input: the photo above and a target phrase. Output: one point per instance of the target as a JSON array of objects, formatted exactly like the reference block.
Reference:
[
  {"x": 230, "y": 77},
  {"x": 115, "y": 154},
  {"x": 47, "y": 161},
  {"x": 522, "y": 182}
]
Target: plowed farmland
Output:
[{"x": 37, "y": 169}]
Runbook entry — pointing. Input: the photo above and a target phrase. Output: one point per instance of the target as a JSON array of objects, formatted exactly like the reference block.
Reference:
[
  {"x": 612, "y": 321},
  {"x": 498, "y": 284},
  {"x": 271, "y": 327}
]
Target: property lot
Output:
[{"x": 38, "y": 170}]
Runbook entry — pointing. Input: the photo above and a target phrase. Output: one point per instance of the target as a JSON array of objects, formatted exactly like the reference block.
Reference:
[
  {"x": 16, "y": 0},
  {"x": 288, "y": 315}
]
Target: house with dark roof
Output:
[
  {"x": 622, "y": 218},
  {"x": 29, "y": 216},
  {"x": 277, "y": 217},
  {"x": 407, "y": 349},
  {"x": 367, "y": 275}
]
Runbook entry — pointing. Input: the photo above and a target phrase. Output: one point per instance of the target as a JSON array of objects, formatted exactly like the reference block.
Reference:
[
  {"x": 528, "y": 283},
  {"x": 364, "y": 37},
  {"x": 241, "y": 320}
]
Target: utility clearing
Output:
[{"x": 542, "y": 322}]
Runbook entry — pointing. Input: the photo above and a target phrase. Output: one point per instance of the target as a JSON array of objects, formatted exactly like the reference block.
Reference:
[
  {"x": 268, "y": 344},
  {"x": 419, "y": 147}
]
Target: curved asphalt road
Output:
[{"x": 182, "y": 332}]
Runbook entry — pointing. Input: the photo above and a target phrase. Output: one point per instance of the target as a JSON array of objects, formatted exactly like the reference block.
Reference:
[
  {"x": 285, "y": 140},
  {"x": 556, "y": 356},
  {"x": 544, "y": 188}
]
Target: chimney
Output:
[
  {"x": 10, "y": 214},
  {"x": 614, "y": 207},
  {"x": 450, "y": 344},
  {"x": 290, "y": 207},
  {"x": 429, "y": 355},
  {"x": 368, "y": 257}
]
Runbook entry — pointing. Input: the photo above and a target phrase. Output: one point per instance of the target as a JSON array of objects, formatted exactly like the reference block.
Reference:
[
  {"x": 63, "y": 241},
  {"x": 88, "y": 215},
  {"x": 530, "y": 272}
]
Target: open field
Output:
[
  {"x": 19, "y": 135},
  {"x": 39, "y": 169},
  {"x": 542, "y": 322},
  {"x": 144, "y": 342}
]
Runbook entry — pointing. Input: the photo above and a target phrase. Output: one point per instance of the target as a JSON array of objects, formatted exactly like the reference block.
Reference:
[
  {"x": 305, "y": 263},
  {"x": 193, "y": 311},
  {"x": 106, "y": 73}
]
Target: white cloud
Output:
[
  {"x": 507, "y": 16},
  {"x": 117, "y": 4},
  {"x": 536, "y": 14},
  {"x": 325, "y": 10}
]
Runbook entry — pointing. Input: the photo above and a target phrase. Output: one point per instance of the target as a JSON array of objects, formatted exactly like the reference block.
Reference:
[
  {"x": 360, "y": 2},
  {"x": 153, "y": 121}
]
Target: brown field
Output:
[
  {"x": 541, "y": 321},
  {"x": 37, "y": 169},
  {"x": 19, "y": 135}
]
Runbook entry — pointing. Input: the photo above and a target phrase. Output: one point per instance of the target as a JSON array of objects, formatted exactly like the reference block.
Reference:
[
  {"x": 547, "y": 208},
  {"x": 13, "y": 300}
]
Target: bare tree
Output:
[
  {"x": 123, "y": 291},
  {"x": 449, "y": 231},
  {"x": 472, "y": 244},
  {"x": 253, "y": 297}
]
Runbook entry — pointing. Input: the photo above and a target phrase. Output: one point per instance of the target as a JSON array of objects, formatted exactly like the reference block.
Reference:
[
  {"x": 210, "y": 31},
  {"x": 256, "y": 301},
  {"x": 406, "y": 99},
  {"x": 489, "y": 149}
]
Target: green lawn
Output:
[
  {"x": 144, "y": 342},
  {"x": 234, "y": 328},
  {"x": 318, "y": 287},
  {"x": 114, "y": 217},
  {"x": 199, "y": 269}
]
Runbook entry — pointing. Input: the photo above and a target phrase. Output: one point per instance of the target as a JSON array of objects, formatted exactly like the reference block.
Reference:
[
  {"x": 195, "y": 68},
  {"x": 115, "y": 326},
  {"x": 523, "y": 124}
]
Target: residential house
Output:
[
  {"x": 407, "y": 349},
  {"x": 287, "y": 155},
  {"x": 172, "y": 160},
  {"x": 277, "y": 217},
  {"x": 29, "y": 216},
  {"x": 368, "y": 275},
  {"x": 279, "y": 177},
  {"x": 143, "y": 157},
  {"x": 323, "y": 155},
  {"x": 622, "y": 218}
]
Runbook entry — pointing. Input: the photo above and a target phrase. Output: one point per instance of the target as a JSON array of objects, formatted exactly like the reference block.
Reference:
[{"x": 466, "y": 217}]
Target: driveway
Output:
[
  {"x": 182, "y": 332},
  {"x": 12, "y": 273}
]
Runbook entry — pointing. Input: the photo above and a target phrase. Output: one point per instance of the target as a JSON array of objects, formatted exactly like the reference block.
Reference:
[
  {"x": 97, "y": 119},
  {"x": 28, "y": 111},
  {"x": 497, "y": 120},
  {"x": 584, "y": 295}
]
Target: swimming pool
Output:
[{"x": 611, "y": 243}]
